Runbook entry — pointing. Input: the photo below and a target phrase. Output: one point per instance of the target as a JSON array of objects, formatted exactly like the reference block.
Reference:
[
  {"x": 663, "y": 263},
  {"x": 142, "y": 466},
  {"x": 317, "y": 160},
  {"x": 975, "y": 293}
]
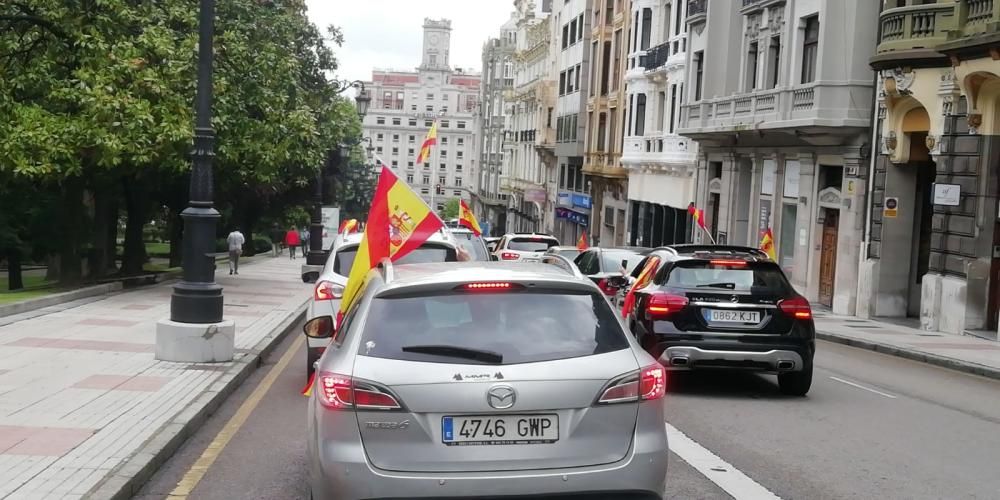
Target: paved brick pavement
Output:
[
  {"x": 84, "y": 407},
  {"x": 959, "y": 352}
]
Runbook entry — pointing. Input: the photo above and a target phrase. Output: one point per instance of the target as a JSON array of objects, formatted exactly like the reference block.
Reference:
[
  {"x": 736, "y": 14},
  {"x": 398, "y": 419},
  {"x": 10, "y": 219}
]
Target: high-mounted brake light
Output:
[
  {"x": 489, "y": 286},
  {"x": 649, "y": 384},
  {"x": 662, "y": 306},
  {"x": 340, "y": 392},
  {"x": 728, "y": 262},
  {"x": 796, "y": 307},
  {"x": 328, "y": 290}
]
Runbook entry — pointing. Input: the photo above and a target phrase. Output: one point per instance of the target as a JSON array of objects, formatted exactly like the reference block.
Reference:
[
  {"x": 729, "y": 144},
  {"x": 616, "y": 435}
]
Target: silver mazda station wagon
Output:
[{"x": 484, "y": 380}]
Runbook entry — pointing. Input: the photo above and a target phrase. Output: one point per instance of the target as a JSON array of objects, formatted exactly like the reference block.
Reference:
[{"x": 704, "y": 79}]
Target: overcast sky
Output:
[{"x": 387, "y": 33}]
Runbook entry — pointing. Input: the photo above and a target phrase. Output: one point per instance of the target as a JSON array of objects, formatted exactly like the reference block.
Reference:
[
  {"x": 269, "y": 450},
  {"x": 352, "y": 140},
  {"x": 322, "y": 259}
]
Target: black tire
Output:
[{"x": 796, "y": 383}]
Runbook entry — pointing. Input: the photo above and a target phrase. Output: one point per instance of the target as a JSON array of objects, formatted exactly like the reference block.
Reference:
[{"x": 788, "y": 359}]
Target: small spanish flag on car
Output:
[
  {"x": 581, "y": 244},
  {"x": 467, "y": 219},
  {"x": 767, "y": 244},
  {"x": 349, "y": 225}
]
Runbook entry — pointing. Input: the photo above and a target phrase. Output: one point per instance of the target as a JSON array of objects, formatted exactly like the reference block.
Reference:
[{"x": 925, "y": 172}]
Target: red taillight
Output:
[
  {"x": 328, "y": 290},
  {"x": 796, "y": 307},
  {"x": 737, "y": 263},
  {"x": 649, "y": 384},
  {"x": 489, "y": 286},
  {"x": 662, "y": 306},
  {"x": 509, "y": 256},
  {"x": 340, "y": 392},
  {"x": 606, "y": 287}
]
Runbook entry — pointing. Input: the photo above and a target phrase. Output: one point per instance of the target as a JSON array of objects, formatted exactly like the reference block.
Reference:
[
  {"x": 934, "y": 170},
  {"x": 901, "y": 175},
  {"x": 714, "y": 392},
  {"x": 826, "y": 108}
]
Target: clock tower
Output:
[{"x": 437, "y": 44}]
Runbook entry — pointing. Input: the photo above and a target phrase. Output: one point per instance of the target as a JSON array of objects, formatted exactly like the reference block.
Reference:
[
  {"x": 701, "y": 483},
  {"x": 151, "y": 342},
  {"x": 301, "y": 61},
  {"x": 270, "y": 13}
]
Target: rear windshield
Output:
[
  {"x": 613, "y": 261},
  {"x": 744, "y": 276},
  {"x": 522, "y": 327},
  {"x": 531, "y": 244},
  {"x": 570, "y": 254},
  {"x": 472, "y": 244},
  {"x": 345, "y": 258}
]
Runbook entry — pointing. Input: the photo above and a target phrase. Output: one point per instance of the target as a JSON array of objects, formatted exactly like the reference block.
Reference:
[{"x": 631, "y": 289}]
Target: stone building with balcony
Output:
[
  {"x": 779, "y": 96},
  {"x": 490, "y": 205},
  {"x": 660, "y": 163},
  {"x": 610, "y": 24},
  {"x": 933, "y": 230},
  {"x": 529, "y": 135}
]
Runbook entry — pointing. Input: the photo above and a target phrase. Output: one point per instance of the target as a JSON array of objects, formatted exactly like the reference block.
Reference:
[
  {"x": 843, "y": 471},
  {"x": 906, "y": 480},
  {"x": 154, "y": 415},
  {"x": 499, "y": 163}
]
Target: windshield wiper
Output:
[
  {"x": 718, "y": 285},
  {"x": 456, "y": 352}
]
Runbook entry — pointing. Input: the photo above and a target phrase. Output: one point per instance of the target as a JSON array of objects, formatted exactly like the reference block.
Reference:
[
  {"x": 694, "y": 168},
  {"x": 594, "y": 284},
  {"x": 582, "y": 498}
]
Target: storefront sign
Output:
[
  {"x": 949, "y": 195},
  {"x": 764, "y": 216},
  {"x": 534, "y": 195},
  {"x": 582, "y": 201},
  {"x": 565, "y": 200},
  {"x": 768, "y": 174},
  {"x": 891, "y": 210},
  {"x": 574, "y": 217}
]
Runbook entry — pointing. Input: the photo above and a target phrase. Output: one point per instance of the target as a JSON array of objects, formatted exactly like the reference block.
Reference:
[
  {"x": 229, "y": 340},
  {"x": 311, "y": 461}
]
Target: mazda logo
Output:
[{"x": 501, "y": 397}]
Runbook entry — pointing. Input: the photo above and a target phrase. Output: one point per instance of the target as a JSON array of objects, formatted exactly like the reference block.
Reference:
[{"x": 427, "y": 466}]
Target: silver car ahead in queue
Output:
[{"x": 484, "y": 380}]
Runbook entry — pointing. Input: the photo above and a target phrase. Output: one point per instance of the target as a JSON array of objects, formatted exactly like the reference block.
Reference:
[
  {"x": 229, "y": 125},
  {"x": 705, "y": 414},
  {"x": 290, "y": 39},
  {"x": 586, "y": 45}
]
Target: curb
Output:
[
  {"x": 913, "y": 355},
  {"x": 58, "y": 298},
  {"x": 131, "y": 476}
]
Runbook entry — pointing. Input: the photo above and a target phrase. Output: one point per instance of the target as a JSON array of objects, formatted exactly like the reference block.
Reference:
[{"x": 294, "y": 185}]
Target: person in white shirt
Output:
[{"x": 236, "y": 241}]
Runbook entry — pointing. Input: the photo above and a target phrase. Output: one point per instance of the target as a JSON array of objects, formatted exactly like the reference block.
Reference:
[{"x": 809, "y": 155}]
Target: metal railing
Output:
[
  {"x": 697, "y": 7},
  {"x": 655, "y": 56}
]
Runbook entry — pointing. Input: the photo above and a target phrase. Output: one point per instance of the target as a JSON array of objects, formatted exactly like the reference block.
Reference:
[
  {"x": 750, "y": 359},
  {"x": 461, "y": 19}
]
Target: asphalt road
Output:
[{"x": 873, "y": 426}]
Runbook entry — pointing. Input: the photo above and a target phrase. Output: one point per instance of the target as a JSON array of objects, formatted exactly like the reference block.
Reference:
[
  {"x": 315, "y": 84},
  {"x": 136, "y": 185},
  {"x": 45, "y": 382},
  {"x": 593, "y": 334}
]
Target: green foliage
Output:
[{"x": 450, "y": 209}]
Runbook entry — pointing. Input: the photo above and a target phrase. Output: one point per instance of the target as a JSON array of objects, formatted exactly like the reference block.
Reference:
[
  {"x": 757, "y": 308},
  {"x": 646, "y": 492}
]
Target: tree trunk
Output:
[
  {"x": 15, "y": 281},
  {"x": 136, "y": 207},
  {"x": 71, "y": 231},
  {"x": 52, "y": 268},
  {"x": 105, "y": 232},
  {"x": 248, "y": 220},
  {"x": 112, "y": 236}
]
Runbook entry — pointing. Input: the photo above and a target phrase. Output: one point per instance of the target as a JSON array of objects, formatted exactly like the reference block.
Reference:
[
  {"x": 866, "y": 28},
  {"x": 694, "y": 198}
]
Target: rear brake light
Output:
[
  {"x": 739, "y": 263},
  {"x": 489, "y": 286},
  {"x": 328, "y": 290},
  {"x": 662, "y": 306},
  {"x": 606, "y": 287},
  {"x": 509, "y": 256},
  {"x": 649, "y": 384},
  {"x": 796, "y": 307},
  {"x": 340, "y": 392}
]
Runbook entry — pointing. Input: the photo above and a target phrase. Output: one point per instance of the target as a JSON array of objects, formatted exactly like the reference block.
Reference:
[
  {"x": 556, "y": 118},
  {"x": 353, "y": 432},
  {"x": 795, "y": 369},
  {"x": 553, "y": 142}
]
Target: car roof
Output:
[
  {"x": 355, "y": 239},
  {"x": 560, "y": 248},
  {"x": 530, "y": 235},
  {"x": 693, "y": 251},
  {"x": 411, "y": 277}
]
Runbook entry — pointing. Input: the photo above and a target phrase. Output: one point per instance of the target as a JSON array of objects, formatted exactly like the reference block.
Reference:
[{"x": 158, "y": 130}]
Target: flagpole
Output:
[{"x": 707, "y": 233}]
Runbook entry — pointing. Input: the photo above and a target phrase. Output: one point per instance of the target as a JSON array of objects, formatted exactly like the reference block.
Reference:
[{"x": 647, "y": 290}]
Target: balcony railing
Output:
[
  {"x": 697, "y": 10},
  {"x": 980, "y": 16},
  {"x": 655, "y": 56},
  {"x": 916, "y": 27}
]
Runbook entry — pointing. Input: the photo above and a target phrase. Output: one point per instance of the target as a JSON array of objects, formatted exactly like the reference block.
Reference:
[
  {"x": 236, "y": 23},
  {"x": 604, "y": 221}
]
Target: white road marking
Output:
[
  {"x": 717, "y": 470},
  {"x": 859, "y": 386}
]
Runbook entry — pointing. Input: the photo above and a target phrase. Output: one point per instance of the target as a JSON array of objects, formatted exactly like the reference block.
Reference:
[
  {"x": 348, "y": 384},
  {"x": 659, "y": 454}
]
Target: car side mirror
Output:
[
  {"x": 618, "y": 281},
  {"x": 624, "y": 266},
  {"x": 321, "y": 327}
]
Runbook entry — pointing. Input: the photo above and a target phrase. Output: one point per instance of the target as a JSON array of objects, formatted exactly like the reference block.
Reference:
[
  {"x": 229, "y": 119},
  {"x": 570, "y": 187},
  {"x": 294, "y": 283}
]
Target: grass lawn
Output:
[
  {"x": 34, "y": 286},
  {"x": 158, "y": 248}
]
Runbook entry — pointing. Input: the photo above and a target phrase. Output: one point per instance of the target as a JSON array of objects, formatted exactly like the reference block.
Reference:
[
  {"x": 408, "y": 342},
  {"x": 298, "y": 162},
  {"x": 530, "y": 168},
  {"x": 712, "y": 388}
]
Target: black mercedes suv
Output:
[{"x": 723, "y": 307}]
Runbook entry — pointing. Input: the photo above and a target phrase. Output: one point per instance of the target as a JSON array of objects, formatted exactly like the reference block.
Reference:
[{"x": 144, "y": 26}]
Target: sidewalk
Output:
[
  {"x": 958, "y": 352},
  {"x": 85, "y": 410}
]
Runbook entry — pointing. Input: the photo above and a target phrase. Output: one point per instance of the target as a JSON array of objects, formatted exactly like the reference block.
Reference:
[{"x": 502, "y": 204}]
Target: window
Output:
[
  {"x": 461, "y": 141},
  {"x": 458, "y": 182},
  {"x": 458, "y": 154},
  {"x": 457, "y": 192},
  {"x": 413, "y": 107},
  {"x": 774, "y": 61},
  {"x": 640, "y": 115},
  {"x": 606, "y": 67},
  {"x": 428, "y": 123},
  {"x": 380, "y": 137},
  {"x": 445, "y": 124},
  {"x": 409, "y": 164},
  {"x": 458, "y": 167},
  {"x": 751, "y": 69},
  {"x": 396, "y": 121},
  {"x": 673, "y": 107},
  {"x": 444, "y": 140},
  {"x": 786, "y": 241},
  {"x": 461, "y": 124},
  {"x": 578, "y": 71},
  {"x": 395, "y": 151},
  {"x": 565, "y": 36},
  {"x": 430, "y": 107},
  {"x": 378, "y": 149},
  {"x": 442, "y": 180},
  {"x": 810, "y": 49},
  {"x": 395, "y": 164},
  {"x": 569, "y": 81},
  {"x": 412, "y": 139},
  {"x": 395, "y": 137},
  {"x": 443, "y": 166},
  {"x": 699, "y": 70},
  {"x": 647, "y": 27},
  {"x": 409, "y": 178},
  {"x": 562, "y": 83},
  {"x": 430, "y": 97},
  {"x": 425, "y": 191},
  {"x": 380, "y": 120},
  {"x": 443, "y": 153},
  {"x": 426, "y": 179},
  {"x": 409, "y": 151},
  {"x": 412, "y": 123}
]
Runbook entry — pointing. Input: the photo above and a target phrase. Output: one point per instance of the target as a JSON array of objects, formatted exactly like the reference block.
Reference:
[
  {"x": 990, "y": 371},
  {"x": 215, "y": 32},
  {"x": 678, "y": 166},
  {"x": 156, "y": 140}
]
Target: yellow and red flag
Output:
[
  {"x": 349, "y": 225},
  {"x": 641, "y": 282},
  {"x": 767, "y": 244},
  {"x": 467, "y": 219},
  {"x": 430, "y": 140},
  {"x": 698, "y": 215},
  {"x": 581, "y": 244}
]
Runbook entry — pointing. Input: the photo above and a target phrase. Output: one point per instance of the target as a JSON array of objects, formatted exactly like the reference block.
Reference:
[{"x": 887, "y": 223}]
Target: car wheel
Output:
[{"x": 796, "y": 383}]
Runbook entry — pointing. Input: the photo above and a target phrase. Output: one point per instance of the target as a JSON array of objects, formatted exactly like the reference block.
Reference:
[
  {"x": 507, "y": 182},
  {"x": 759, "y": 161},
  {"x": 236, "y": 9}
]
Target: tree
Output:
[{"x": 450, "y": 209}]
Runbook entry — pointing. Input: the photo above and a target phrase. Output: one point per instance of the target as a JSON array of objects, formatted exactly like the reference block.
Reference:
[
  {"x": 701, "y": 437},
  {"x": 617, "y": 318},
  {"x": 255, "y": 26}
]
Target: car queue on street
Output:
[{"x": 448, "y": 378}]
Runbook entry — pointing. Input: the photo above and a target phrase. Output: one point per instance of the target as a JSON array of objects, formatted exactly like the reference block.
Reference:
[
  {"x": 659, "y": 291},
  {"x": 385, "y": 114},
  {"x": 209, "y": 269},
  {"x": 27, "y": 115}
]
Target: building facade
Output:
[
  {"x": 933, "y": 228},
  {"x": 571, "y": 35},
  {"x": 490, "y": 204},
  {"x": 610, "y": 34},
  {"x": 779, "y": 97},
  {"x": 528, "y": 149},
  {"x": 406, "y": 103},
  {"x": 660, "y": 163}
]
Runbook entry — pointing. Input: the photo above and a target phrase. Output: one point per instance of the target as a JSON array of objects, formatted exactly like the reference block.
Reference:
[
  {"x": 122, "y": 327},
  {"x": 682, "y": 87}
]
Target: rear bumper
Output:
[{"x": 776, "y": 360}]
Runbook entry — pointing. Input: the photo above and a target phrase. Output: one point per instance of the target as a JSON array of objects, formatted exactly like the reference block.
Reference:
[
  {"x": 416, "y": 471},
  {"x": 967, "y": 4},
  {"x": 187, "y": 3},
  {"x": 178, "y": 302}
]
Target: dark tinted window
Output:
[
  {"x": 587, "y": 262},
  {"x": 569, "y": 253},
  {"x": 613, "y": 261},
  {"x": 345, "y": 258},
  {"x": 523, "y": 327},
  {"x": 744, "y": 276},
  {"x": 531, "y": 244}
]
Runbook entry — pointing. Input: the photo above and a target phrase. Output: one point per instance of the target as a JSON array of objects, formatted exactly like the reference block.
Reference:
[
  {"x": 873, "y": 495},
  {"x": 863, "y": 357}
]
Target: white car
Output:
[
  {"x": 329, "y": 290},
  {"x": 524, "y": 247}
]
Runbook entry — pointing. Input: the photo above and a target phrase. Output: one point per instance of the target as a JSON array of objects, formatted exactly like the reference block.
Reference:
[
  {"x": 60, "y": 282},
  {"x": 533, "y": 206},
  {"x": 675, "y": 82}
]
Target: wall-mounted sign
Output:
[
  {"x": 851, "y": 186},
  {"x": 768, "y": 174},
  {"x": 534, "y": 195},
  {"x": 891, "y": 210},
  {"x": 565, "y": 200},
  {"x": 949, "y": 195},
  {"x": 582, "y": 201},
  {"x": 574, "y": 217}
]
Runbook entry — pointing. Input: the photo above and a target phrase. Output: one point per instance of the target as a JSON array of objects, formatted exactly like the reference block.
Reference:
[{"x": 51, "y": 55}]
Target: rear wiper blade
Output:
[
  {"x": 718, "y": 285},
  {"x": 456, "y": 352}
]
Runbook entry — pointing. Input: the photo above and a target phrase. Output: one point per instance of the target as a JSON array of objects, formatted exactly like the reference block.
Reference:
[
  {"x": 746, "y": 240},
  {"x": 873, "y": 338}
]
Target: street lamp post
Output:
[
  {"x": 195, "y": 331},
  {"x": 317, "y": 254}
]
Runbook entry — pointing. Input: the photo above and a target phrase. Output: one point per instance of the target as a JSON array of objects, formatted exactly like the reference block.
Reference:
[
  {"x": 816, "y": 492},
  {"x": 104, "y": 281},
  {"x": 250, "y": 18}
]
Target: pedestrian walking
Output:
[
  {"x": 276, "y": 238},
  {"x": 235, "y": 241},
  {"x": 304, "y": 239},
  {"x": 291, "y": 241}
]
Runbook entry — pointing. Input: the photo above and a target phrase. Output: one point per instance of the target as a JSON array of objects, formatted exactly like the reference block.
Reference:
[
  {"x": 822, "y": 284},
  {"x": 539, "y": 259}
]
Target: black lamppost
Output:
[
  {"x": 197, "y": 298},
  {"x": 317, "y": 254}
]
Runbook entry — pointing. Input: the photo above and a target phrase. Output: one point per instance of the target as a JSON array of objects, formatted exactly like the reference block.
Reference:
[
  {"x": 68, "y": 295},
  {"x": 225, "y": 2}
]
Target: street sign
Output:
[
  {"x": 891, "y": 209},
  {"x": 947, "y": 194}
]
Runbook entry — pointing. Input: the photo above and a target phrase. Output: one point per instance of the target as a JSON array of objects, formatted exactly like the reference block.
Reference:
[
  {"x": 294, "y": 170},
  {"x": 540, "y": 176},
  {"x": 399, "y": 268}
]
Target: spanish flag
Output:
[
  {"x": 698, "y": 215},
  {"x": 581, "y": 244},
  {"x": 767, "y": 244},
  {"x": 430, "y": 140},
  {"x": 468, "y": 220},
  {"x": 348, "y": 225},
  {"x": 641, "y": 282}
]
